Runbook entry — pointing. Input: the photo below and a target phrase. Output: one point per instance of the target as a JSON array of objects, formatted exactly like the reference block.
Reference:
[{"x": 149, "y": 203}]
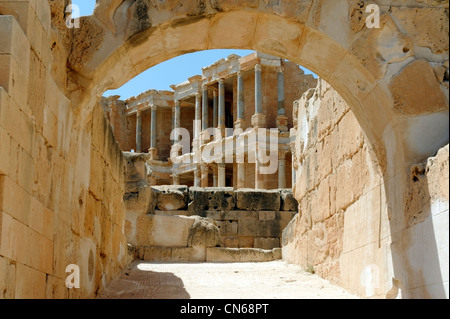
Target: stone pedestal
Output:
[
  {"x": 240, "y": 124},
  {"x": 153, "y": 152},
  {"x": 282, "y": 123},
  {"x": 259, "y": 120}
]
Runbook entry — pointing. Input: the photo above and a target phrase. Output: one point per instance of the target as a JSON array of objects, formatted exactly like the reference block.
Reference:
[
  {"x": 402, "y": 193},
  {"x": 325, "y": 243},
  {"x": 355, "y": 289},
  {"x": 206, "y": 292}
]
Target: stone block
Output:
[
  {"x": 232, "y": 255},
  {"x": 14, "y": 79},
  {"x": 156, "y": 254},
  {"x": 267, "y": 215},
  {"x": 14, "y": 200},
  {"x": 227, "y": 228},
  {"x": 142, "y": 199},
  {"x": 233, "y": 215},
  {"x": 258, "y": 200},
  {"x": 246, "y": 241},
  {"x": 260, "y": 228},
  {"x": 171, "y": 231},
  {"x": 13, "y": 41},
  {"x": 7, "y": 278},
  {"x": 30, "y": 283},
  {"x": 211, "y": 199},
  {"x": 204, "y": 233},
  {"x": 5, "y": 152},
  {"x": 288, "y": 202},
  {"x": 171, "y": 197},
  {"x": 267, "y": 243},
  {"x": 229, "y": 241},
  {"x": 189, "y": 254}
]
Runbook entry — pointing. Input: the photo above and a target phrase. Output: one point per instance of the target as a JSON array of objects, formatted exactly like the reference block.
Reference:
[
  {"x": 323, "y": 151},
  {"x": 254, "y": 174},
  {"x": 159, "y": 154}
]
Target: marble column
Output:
[
  {"x": 240, "y": 122},
  {"x": 258, "y": 119},
  {"x": 282, "y": 119},
  {"x": 138, "y": 132},
  {"x": 221, "y": 172},
  {"x": 153, "y": 131}
]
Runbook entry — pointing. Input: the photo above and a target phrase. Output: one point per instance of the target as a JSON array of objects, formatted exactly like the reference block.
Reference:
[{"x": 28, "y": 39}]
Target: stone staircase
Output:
[{"x": 209, "y": 224}]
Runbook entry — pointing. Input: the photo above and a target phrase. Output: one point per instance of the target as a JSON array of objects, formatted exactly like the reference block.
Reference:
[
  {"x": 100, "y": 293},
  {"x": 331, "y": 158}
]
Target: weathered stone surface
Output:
[
  {"x": 288, "y": 202},
  {"x": 203, "y": 233},
  {"x": 171, "y": 231},
  {"x": 416, "y": 91},
  {"x": 231, "y": 255},
  {"x": 211, "y": 199},
  {"x": 267, "y": 243},
  {"x": 171, "y": 197},
  {"x": 250, "y": 199},
  {"x": 142, "y": 199}
]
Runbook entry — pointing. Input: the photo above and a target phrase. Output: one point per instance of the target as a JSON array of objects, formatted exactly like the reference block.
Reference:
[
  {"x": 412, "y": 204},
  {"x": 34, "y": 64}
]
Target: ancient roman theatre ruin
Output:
[{"x": 250, "y": 161}]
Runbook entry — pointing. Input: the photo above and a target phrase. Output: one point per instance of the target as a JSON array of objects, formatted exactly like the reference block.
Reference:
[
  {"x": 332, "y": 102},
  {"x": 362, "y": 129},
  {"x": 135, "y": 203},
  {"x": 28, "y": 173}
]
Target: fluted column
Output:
[{"x": 138, "y": 132}]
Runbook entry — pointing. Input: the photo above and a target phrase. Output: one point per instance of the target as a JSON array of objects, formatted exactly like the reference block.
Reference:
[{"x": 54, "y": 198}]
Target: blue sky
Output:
[{"x": 174, "y": 71}]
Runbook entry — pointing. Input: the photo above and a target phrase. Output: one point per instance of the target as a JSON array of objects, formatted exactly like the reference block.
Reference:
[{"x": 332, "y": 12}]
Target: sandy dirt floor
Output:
[{"x": 270, "y": 280}]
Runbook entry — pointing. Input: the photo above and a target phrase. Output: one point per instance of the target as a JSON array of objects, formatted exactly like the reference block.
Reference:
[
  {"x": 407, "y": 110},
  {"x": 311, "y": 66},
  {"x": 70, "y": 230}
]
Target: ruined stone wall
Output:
[
  {"x": 337, "y": 192},
  {"x": 61, "y": 182},
  {"x": 345, "y": 229}
]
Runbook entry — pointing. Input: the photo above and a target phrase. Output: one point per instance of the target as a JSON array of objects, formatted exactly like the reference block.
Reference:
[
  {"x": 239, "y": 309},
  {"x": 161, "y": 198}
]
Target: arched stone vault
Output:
[
  {"x": 395, "y": 78},
  {"x": 382, "y": 73}
]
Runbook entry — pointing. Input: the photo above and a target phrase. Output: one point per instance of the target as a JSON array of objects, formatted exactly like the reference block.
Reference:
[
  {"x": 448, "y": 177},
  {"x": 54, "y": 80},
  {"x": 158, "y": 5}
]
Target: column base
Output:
[
  {"x": 153, "y": 154},
  {"x": 175, "y": 179},
  {"x": 240, "y": 124},
  {"x": 282, "y": 123},
  {"x": 259, "y": 121}
]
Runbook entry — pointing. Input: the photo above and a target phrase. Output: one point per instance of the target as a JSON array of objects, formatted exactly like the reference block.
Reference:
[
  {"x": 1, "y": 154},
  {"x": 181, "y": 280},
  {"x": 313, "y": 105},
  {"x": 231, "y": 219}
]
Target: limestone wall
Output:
[
  {"x": 345, "y": 229},
  {"x": 61, "y": 181}
]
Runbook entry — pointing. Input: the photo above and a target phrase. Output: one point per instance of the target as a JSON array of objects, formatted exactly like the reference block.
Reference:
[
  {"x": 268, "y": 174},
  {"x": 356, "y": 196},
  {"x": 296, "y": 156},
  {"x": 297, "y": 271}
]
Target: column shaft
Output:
[
  {"x": 198, "y": 112},
  {"x": 138, "y": 132},
  {"x": 215, "y": 110},
  {"x": 205, "y": 110},
  {"x": 221, "y": 116},
  {"x": 282, "y": 173},
  {"x": 153, "y": 127},
  {"x": 240, "y": 102},
  {"x": 221, "y": 168},
  {"x": 281, "y": 103},
  {"x": 258, "y": 89},
  {"x": 240, "y": 175}
]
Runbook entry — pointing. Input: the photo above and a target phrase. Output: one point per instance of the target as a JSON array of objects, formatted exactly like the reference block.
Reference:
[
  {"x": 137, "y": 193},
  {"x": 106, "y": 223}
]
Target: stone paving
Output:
[{"x": 269, "y": 280}]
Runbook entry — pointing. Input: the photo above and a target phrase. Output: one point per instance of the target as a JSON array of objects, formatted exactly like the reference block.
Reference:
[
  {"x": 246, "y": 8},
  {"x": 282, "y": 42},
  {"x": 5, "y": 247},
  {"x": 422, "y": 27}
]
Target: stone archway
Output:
[{"x": 393, "y": 78}]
